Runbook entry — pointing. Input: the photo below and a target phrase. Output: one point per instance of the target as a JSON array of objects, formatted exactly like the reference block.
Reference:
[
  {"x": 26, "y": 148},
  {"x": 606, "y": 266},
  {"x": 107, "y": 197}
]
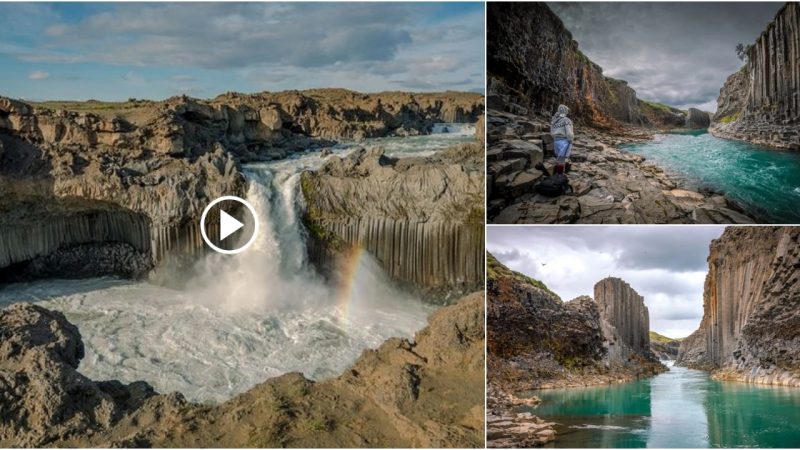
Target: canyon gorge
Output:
[
  {"x": 537, "y": 341},
  {"x": 625, "y": 167},
  {"x": 381, "y": 195},
  {"x": 131, "y": 180}
]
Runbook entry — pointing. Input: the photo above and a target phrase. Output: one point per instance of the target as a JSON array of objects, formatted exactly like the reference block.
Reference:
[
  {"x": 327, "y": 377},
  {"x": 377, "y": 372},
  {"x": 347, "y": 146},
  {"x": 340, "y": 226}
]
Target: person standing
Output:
[{"x": 563, "y": 134}]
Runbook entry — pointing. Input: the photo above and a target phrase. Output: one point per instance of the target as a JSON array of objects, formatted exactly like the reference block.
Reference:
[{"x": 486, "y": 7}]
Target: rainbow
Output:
[{"x": 347, "y": 282}]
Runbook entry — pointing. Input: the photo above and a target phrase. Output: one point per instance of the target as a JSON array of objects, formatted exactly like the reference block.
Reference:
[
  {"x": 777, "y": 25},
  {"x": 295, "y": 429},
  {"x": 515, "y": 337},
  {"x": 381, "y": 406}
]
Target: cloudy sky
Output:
[
  {"x": 675, "y": 53},
  {"x": 113, "y": 51},
  {"x": 665, "y": 264}
]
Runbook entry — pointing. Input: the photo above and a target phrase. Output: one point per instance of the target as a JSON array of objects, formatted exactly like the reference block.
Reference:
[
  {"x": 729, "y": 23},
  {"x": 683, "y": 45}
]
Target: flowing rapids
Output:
[
  {"x": 247, "y": 317},
  {"x": 765, "y": 182}
]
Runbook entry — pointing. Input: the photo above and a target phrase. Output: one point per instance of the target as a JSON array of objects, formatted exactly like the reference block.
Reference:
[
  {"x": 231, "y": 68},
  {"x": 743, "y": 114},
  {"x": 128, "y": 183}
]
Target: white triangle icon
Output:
[{"x": 227, "y": 225}]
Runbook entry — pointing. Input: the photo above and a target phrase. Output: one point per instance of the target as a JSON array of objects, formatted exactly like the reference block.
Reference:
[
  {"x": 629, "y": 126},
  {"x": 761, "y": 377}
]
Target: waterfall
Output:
[{"x": 275, "y": 272}]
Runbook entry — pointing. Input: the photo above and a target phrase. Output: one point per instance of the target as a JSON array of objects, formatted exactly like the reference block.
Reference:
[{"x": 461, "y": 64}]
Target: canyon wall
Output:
[
  {"x": 535, "y": 340},
  {"x": 422, "y": 218},
  {"x": 750, "y": 329},
  {"x": 533, "y": 65},
  {"x": 140, "y": 173},
  {"x": 626, "y": 319},
  {"x": 761, "y": 102}
]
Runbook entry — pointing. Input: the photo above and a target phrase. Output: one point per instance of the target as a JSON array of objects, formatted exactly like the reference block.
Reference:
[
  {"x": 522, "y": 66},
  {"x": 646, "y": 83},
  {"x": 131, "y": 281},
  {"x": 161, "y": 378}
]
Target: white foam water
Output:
[{"x": 245, "y": 318}]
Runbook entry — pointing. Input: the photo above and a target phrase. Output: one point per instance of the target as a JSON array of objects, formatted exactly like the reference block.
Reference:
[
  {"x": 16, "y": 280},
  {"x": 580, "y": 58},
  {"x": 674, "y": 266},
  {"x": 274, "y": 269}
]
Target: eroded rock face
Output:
[
  {"x": 532, "y": 55},
  {"x": 422, "y": 218},
  {"x": 627, "y": 320},
  {"x": 536, "y": 340},
  {"x": 44, "y": 400},
  {"x": 761, "y": 103},
  {"x": 750, "y": 327},
  {"x": 422, "y": 393},
  {"x": 697, "y": 119}
]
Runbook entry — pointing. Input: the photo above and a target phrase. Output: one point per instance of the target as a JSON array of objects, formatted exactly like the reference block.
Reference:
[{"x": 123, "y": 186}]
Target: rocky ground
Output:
[
  {"x": 537, "y": 341},
  {"x": 609, "y": 186},
  {"x": 422, "y": 393}
]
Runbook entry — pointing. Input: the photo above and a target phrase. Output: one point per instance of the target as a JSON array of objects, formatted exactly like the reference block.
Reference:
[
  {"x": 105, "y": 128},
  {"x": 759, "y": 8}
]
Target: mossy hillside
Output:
[
  {"x": 661, "y": 107},
  {"x": 661, "y": 339},
  {"x": 495, "y": 270}
]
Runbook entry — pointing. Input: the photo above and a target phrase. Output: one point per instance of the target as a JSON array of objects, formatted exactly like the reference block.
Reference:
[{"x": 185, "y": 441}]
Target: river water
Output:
[
  {"x": 764, "y": 181},
  {"x": 243, "y": 318},
  {"x": 677, "y": 409}
]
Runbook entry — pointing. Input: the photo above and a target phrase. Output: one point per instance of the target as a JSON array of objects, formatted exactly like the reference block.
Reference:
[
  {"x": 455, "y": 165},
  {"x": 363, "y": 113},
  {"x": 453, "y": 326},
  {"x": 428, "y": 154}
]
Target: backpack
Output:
[{"x": 554, "y": 185}]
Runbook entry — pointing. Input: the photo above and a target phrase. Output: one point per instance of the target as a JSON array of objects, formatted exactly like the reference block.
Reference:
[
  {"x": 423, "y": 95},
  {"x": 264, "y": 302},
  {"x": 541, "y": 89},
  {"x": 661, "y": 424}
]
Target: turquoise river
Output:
[
  {"x": 680, "y": 408},
  {"x": 765, "y": 182}
]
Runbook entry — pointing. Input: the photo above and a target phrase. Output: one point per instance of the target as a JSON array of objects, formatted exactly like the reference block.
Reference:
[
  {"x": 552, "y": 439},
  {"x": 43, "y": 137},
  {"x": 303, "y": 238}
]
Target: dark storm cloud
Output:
[{"x": 674, "y": 53}]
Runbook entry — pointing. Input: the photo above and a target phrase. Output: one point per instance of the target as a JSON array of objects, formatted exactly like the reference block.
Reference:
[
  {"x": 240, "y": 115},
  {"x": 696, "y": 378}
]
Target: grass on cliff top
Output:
[
  {"x": 661, "y": 339},
  {"x": 660, "y": 107},
  {"x": 495, "y": 269}
]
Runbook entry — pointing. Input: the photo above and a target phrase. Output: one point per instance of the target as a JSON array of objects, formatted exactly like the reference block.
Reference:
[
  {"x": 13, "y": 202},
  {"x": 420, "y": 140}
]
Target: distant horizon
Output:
[
  {"x": 111, "y": 52},
  {"x": 157, "y": 100}
]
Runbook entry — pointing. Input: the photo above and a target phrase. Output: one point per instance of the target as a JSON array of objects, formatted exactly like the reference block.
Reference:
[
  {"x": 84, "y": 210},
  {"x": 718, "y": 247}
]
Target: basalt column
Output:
[{"x": 627, "y": 321}]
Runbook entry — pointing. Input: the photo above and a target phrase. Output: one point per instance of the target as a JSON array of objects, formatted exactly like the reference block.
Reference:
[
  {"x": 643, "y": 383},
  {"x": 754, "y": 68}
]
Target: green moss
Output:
[
  {"x": 313, "y": 217},
  {"x": 495, "y": 270},
  {"x": 730, "y": 118},
  {"x": 661, "y": 339},
  {"x": 660, "y": 107}
]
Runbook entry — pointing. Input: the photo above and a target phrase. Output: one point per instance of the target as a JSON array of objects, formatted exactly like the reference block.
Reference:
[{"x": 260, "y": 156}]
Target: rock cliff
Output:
[
  {"x": 533, "y": 60},
  {"x": 761, "y": 102},
  {"x": 422, "y": 393},
  {"x": 535, "y": 340},
  {"x": 132, "y": 179},
  {"x": 750, "y": 329},
  {"x": 422, "y": 218},
  {"x": 626, "y": 324}
]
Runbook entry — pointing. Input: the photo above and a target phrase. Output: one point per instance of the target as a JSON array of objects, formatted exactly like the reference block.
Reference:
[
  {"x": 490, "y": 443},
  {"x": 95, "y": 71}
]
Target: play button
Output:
[
  {"x": 228, "y": 225},
  {"x": 232, "y": 228}
]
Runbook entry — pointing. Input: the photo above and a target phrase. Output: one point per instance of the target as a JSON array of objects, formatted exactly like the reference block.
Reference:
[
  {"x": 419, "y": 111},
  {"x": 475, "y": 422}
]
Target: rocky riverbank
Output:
[
  {"x": 750, "y": 326},
  {"x": 422, "y": 393},
  {"x": 131, "y": 179},
  {"x": 537, "y": 341},
  {"x": 760, "y": 103},
  {"x": 533, "y": 66},
  {"x": 609, "y": 186}
]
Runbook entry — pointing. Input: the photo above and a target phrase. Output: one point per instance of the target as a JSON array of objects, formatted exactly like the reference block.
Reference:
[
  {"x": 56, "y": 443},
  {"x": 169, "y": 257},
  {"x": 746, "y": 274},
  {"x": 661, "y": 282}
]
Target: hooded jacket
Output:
[{"x": 561, "y": 125}]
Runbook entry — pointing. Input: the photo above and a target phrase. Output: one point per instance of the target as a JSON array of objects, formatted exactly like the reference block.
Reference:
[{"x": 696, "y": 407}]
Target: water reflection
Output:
[{"x": 679, "y": 409}]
